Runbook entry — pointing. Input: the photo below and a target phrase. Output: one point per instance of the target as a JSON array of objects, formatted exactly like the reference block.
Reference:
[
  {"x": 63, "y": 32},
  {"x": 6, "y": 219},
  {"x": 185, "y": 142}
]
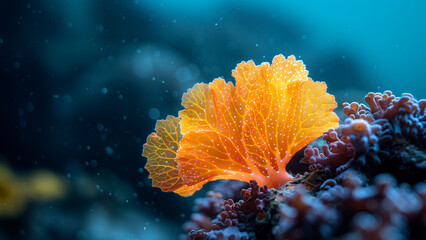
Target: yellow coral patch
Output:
[
  {"x": 12, "y": 194},
  {"x": 160, "y": 150}
]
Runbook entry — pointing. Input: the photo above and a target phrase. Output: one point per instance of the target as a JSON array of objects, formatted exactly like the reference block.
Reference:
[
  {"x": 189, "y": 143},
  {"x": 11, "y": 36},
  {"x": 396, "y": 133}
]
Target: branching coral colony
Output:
[{"x": 367, "y": 182}]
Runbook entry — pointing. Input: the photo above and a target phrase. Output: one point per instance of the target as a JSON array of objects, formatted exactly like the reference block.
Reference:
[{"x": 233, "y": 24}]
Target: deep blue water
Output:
[{"x": 83, "y": 82}]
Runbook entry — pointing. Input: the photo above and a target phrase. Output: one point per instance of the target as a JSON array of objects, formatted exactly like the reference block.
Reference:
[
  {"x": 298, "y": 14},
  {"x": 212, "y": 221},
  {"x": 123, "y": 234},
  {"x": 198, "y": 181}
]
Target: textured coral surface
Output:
[
  {"x": 242, "y": 132},
  {"x": 366, "y": 182}
]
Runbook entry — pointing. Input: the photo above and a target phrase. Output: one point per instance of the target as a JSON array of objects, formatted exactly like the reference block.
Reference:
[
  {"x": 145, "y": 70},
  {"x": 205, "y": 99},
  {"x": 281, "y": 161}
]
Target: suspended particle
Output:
[
  {"x": 30, "y": 107},
  {"x": 100, "y": 127},
  {"x": 109, "y": 150},
  {"x": 154, "y": 113},
  {"x": 99, "y": 28}
]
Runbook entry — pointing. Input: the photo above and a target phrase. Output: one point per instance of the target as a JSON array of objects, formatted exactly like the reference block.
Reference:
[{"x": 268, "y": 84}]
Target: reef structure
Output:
[
  {"x": 387, "y": 136},
  {"x": 217, "y": 218},
  {"x": 368, "y": 182}
]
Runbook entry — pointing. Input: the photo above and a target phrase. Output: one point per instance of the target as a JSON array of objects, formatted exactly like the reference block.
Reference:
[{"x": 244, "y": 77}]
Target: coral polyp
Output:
[
  {"x": 235, "y": 220},
  {"x": 387, "y": 136}
]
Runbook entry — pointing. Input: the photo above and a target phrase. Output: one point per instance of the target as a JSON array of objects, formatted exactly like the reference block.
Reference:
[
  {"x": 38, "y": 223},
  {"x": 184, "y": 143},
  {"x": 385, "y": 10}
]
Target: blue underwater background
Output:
[{"x": 83, "y": 82}]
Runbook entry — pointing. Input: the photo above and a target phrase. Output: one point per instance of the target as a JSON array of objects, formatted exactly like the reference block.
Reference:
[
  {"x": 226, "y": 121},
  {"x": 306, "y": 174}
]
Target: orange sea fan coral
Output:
[
  {"x": 160, "y": 150},
  {"x": 242, "y": 132}
]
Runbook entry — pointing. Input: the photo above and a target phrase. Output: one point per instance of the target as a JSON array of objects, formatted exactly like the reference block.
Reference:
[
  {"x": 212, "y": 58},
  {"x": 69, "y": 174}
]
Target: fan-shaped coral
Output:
[
  {"x": 160, "y": 150},
  {"x": 242, "y": 132}
]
